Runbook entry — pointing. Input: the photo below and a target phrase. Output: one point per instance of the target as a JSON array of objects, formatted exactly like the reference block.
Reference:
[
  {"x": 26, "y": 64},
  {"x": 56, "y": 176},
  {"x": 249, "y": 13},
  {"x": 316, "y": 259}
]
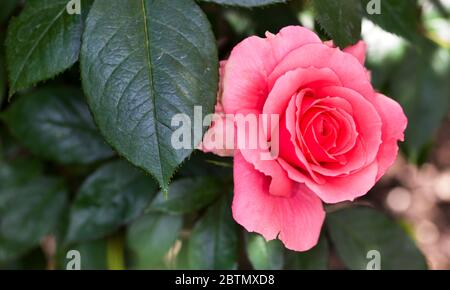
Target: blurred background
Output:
[{"x": 409, "y": 59}]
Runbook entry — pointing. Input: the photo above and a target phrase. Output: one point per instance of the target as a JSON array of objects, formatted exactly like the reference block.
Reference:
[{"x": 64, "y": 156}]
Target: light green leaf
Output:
[
  {"x": 265, "y": 255},
  {"x": 341, "y": 20},
  {"x": 213, "y": 241},
  {"x": 150, "y": 238},
  {"x": 114, "y": 195},
  {"x": 56, "y": 124},
  {"x": 356, "y": 231},
  {"x": 42, "y": 42},
  {"x": 142, "y": 63}
]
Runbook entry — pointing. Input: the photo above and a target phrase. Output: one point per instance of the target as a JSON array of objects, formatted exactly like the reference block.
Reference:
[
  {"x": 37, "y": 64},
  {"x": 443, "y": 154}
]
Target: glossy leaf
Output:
[
  {"x": 151, "y": 237},
  {"x": 187, "y": 195},
  {"x": 357, "y": 231},
  {"x": 314, "y": 259},
  {"x": 246, "y": 3},
  {"x": 142, "y": 63},
  {"x": 264, "y": 255},
  {"x": 341, "y": 20},
  {"x": 213, "y": 241},
  {"x": 56, "y": 124},
  {"x": 43, "y": 41},
  {"x": 114, "y": 195}
]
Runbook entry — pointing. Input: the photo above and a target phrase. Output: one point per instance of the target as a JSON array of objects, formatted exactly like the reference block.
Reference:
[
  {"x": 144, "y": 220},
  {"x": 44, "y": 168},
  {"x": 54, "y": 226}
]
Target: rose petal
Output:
[
  {"x": 290, "y": 149},
  {"x": 220, "y": 137},
  {"x": 289, "y": 83},
  {"x": 250, "y": 63},
  {"x": 297, "y": 219},
  {"x": 338, "y": 189},
  {"x": 349, "y": 70},
  {"x": 366, "y": 118},
  {"x": 255, "y": 149},
  {"x": 358, "y": 50},
  {"x": 394, "y": 124}
]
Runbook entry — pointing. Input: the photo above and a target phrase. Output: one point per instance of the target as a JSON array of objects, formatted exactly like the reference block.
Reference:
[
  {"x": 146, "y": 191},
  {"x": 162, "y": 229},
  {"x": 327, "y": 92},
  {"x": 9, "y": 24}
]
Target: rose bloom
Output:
[{"x": 337, "y": 135}]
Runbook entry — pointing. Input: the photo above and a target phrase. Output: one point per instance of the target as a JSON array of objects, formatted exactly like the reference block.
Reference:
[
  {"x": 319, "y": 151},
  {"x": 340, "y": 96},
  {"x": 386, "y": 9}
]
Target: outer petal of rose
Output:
[
  {"x": 297, "y": 219},
  {"x": 280, "y": 184},
  {"x": 394, "y": 124},
  {"x": 255, "y": 149},
  {"x": 252, "y": 60},
  {"x": 348, "y": 69},
  {"x": 358, "y": 50},
  {"x": 290, "y": 38},
  {"x": 338, "y": 189},
  {"x": 219, "y": 131},
  {"x": 350, "y": 187}
]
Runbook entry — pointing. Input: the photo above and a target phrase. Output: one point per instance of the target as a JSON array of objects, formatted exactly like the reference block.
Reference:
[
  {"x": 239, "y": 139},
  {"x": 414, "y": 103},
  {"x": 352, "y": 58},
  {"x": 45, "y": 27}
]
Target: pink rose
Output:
[{"x": 337, "y": 136}]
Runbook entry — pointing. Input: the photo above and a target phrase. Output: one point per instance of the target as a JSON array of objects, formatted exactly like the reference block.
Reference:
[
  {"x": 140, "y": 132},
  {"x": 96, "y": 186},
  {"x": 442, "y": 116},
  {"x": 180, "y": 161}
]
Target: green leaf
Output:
[
  {"x": 8, "y": 7},
  {"x": 55, "y": 123},
  {"x": 273, "y": 18},
  {"x": 398, "y": 17},
  {"x": 421, "y": 86},
  {"x": 41, "y": 43},
  {"x": 9, "y": 148},
  {"x": 18, "y": 172},
  {"x": 356, "y": 231},
  {"x": 30, "y": 207},
  {"x": 259, "y": 20},
  {"x": 245, "y": 3},
  {"x": 201, "y": 164},
  {"x": 33, "y": 260},
  {"x": 30, "y": 211},
  {"x": 341, "y": 20},
  {"x": 265, "y": 255},
  {"x": 3, "y": 77},
  {"x": 150, "y": 238},
  {"x": 314, "y": 259},
  {"x": 187, "y": 195},
  {"x": 114, "y": 195},
  {"x": 213, "y": 243},
  {"x": 142, "y": 63}
]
